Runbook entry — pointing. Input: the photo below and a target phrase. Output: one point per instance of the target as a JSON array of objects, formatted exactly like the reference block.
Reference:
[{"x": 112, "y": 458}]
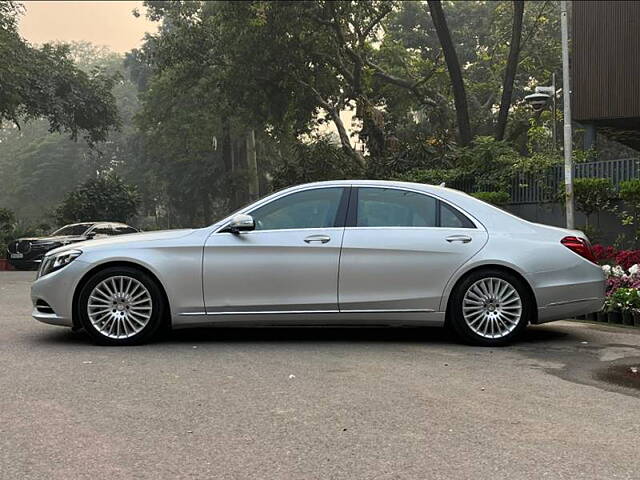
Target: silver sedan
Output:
[{"x": 330, "y": 253}]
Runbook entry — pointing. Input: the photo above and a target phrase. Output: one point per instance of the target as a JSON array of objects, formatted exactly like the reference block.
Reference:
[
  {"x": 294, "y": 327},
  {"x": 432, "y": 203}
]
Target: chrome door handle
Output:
[
  {"x": 317, "y": 238},
  {"x": 458, "y": 238}
]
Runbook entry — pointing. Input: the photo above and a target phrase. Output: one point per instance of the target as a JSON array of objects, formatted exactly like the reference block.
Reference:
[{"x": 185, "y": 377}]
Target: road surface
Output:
[{"x": 315, "y": 403}]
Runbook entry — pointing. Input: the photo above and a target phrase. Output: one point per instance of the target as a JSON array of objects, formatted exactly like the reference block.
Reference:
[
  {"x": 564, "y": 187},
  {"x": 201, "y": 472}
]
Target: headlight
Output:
[{"x": 54, "y": 262}]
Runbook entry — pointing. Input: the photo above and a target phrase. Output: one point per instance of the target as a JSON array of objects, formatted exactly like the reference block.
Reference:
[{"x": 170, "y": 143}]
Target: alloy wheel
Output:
[
  {"x": 492, "y": 307},
  {"x": 119, "y": 307}
]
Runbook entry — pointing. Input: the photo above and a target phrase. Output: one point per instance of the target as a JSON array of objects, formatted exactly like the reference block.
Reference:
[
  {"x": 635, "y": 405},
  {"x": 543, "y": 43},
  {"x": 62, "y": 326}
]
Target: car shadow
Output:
[{"x": 320, "y": 334}]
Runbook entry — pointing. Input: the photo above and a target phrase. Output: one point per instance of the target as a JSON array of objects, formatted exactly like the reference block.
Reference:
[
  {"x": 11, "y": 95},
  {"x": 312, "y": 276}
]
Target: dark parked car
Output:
[{"x": 27, "y": 253}]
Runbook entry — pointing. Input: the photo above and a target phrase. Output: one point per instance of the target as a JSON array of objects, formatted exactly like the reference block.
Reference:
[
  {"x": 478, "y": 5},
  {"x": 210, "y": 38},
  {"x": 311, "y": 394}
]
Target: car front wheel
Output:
[
  {"x": 490, "y": 308},
  {"x": 121, "y": 306}
]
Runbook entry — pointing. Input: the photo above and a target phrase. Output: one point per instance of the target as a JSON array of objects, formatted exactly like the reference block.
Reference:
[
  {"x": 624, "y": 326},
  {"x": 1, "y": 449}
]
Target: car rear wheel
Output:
[
  {"x": 121, "y": 306},
  {"x": 490, "y": 308}
]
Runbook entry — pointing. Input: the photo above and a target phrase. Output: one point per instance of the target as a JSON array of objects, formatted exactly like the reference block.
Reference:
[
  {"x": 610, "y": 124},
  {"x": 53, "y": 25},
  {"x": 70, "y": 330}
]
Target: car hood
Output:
[
  {"x": 131, "y": 238},
  {"x": 53, "y": 239}
]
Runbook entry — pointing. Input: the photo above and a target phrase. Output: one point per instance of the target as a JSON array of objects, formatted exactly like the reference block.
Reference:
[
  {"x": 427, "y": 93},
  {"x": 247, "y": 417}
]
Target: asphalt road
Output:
[{"x": 315, "y": 403}]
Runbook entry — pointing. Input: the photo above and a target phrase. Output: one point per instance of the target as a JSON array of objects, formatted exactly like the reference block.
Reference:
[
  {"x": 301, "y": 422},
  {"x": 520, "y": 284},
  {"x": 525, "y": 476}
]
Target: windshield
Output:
[{"x": 78, "y": 229}]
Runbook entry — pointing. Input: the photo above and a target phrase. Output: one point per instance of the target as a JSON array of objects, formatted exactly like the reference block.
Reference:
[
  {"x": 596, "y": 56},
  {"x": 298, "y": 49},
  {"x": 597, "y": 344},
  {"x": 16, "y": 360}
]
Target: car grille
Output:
[{"x": 23, "y": 247}]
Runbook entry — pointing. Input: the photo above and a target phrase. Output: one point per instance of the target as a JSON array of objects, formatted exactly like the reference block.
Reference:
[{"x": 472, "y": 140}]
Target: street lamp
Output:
[
  {"x": 566, "y": 97},
  {"x": 540, "y": 99}
]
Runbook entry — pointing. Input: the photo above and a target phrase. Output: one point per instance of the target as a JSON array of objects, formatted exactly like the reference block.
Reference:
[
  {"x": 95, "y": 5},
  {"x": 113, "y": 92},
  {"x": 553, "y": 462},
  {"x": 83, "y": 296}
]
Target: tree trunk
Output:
[
  {"x": 227, "y": 147},
  {"x": 206, "y": 208},
  {"x": 455, "y": 73},
  {"x": 252, "y": 166},
  {"x": 510, "y": 71},
  {"x": 345, "y": 141}
]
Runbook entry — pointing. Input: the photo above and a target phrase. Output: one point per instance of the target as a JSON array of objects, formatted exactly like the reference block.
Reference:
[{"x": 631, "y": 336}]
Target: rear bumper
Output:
[
  {"x": 569, "y": 309},
  {"x": 569, "y": 292}
]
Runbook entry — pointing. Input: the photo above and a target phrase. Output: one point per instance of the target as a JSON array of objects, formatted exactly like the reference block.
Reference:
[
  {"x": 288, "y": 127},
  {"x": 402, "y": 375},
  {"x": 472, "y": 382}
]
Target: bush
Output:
[
  {"x": 630, "y": 193},
  {"x": 593, "y": 195},
  {"x": 494, "y": 198},
  {"x": 624, "y": 298},
  {"x": 433, "y": 176},
  {"x": 105, "y": 198},
  {"x": 488, "y": 162},
  {"x": 7, "y": 219},
  {"x": 603, "y": 254},
  {"x": 627, "y": 258}
]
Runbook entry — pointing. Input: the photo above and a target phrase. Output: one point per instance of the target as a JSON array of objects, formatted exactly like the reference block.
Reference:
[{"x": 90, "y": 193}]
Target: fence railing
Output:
[
  {"x": 536, "y": 188},
  {"x": 529, "y": 188}
]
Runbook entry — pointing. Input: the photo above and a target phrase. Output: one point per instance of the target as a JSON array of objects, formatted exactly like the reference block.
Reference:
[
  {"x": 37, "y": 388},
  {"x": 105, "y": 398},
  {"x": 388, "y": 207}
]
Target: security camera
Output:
[{"x": 537, "y": 100}]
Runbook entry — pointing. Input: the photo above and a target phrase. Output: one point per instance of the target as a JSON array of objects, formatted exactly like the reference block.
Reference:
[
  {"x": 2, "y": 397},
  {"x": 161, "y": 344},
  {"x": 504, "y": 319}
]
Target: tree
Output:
[
  {"x": 510, "y": 71},
  {"x": 453, "y": 65},
  {"x": 44, "y": 82},
  {"x": 106, "y": 198},
  {"x": 38, "y": 168},
  {"x": 593, "y": 195}
]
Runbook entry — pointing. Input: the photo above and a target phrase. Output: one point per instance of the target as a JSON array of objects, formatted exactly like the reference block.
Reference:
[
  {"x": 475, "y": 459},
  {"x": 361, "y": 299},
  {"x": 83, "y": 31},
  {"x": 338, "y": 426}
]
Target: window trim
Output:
[
  {"x": 339, "y": 220},
  {"x": 352, "y": 214}
]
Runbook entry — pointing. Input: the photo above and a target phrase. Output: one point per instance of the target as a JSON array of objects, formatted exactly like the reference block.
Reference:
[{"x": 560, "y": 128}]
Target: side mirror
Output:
[
  {"x": 241, "y": 223},
  {"x": 90, "y": 235}
]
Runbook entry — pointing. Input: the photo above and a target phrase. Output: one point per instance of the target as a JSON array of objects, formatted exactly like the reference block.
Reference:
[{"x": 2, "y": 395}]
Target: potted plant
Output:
[
  {"x": 613, "y": 306},
  {"x": 622, "y": 303},
  {"x": 592, "y": 317}
]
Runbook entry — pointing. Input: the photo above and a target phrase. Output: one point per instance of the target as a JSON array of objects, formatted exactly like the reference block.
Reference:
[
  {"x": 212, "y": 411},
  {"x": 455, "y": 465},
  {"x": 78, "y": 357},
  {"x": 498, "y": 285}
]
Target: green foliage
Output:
[
  {"x": 494, "y": 198},
  {"x": 593, "y": 195},
  {"x": 488, "y": 162},
  {"x": 630, "y": 193},
  {"x": 316, "y": 161},
  {"x": 624, "y": 299},
  {"x": 45, "y": 82},
  {"x": 7, "y": 219},
  {"x": 432, "y": 176},
  {"x": 106, "y": 198},
  {"x": 10, "y": 229}
]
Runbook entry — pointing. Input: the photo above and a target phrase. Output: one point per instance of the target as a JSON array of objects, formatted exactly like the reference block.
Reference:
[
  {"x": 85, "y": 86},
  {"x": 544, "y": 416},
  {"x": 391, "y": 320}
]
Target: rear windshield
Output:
[{"x": 72, "y": 229}]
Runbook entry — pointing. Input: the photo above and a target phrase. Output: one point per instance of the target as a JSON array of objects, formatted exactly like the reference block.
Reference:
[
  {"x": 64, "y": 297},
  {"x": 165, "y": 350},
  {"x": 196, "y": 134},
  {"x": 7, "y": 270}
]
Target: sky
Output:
[{"x": 108, "y": 23}]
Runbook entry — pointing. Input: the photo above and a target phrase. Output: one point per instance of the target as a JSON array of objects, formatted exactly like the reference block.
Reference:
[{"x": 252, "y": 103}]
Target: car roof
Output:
[
  {"x": 435, "y": 189},
  {"x": 96, "y": 223}
]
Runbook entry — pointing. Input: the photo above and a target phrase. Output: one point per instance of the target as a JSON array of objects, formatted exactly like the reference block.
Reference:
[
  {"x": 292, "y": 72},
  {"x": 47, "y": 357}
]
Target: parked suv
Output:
[{"x": 27, "y": 253}]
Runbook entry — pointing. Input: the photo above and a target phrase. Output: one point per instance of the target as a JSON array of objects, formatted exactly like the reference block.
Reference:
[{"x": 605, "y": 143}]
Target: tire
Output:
[
  {"x": 490, "y": 308},
  {"x": 121, "y": 306}
]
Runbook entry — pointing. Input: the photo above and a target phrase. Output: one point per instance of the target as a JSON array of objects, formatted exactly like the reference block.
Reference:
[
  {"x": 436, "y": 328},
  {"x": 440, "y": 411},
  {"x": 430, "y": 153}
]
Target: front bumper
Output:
[
  {"x": 56, "y": 290},
  {"x": 51, "y": 318},
  {"x": 25, "y": 264}
]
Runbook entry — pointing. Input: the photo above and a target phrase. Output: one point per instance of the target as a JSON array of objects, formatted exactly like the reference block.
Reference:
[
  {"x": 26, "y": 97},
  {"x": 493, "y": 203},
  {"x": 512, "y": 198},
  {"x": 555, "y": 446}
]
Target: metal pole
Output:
[
  {"x": 555, "y": 110},
  {"x": 566, "y": 95}
]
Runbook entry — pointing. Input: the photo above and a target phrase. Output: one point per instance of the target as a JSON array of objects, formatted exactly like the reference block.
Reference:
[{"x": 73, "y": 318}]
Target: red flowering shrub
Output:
[
  {"x": 627, "y": 258},
  {"x": 603, "y": 253}
]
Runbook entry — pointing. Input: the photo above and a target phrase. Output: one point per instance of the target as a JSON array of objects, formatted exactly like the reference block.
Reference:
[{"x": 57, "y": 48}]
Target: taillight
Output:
[{"x": 581, "y": 246}]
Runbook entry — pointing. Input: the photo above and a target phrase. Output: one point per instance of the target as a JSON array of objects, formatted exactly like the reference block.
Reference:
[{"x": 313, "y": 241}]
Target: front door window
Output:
[{"x": 317, "y": 208}]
